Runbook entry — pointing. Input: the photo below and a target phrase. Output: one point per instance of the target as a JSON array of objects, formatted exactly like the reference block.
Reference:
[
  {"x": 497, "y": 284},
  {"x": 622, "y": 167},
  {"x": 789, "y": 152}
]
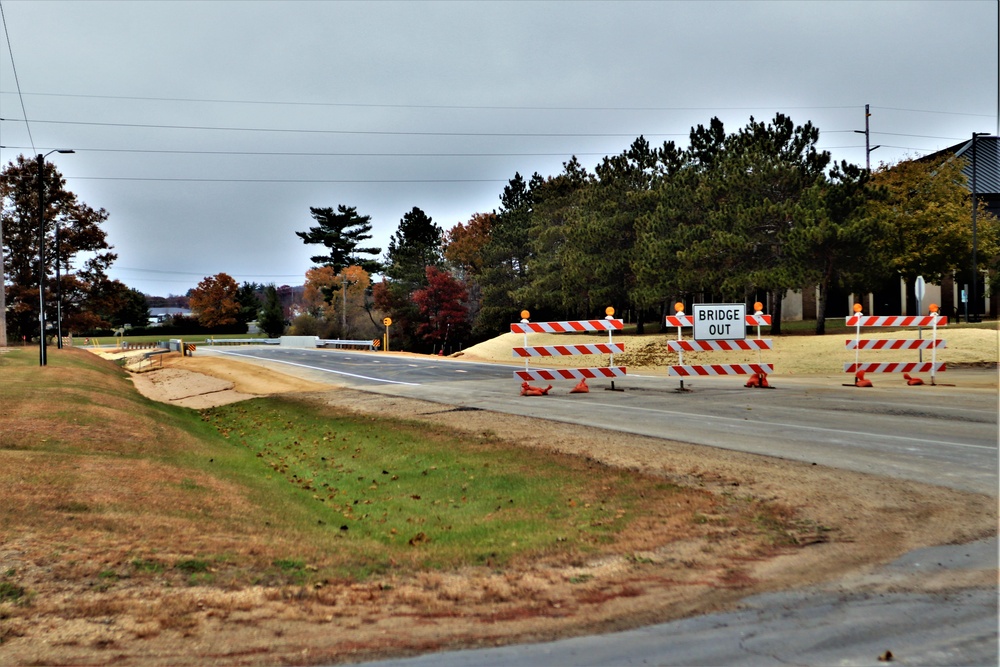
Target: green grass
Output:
[
  {"x": 399, "y": 491},
  {"x": 10, "y": 592}
]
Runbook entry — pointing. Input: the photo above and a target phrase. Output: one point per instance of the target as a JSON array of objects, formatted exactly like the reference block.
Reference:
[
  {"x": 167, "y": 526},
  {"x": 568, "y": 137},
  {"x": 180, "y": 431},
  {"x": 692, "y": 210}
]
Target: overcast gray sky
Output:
[{"x": 208, "y": 129}]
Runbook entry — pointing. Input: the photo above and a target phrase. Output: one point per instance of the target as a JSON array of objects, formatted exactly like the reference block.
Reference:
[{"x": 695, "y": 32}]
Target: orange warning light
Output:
[
  {"x": 678, "y": 306},
  {"x": 758, "y": 305},
  {"x": 609, "y": 311},
  {"x": 858, "y": 308},
  {"x": 525, "y": 315},
  {"x": 933, "y": 307}
]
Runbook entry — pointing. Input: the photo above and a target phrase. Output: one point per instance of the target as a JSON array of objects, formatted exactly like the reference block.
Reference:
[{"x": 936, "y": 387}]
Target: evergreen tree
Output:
[
  {"x": 840, "y": 242},
  {"x": 506, "y": 256},
  {"x": 341, "y": 233},
  {"x": 548, "y": 292},
  {"x": 416, "y": 244},
  {"x": 272, "y": 316},
  {"x": 248, "y": 298}
]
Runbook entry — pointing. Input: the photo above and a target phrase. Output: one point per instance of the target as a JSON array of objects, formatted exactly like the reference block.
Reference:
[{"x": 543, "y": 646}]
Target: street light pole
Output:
[
  {"x": 58, "y": 293},
  {"x": 975, "y": 207},
  {"x": 42, "y": 352}
]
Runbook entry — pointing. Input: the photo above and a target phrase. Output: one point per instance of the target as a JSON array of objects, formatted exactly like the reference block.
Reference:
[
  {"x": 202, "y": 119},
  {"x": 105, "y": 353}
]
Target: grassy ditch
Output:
[
  {"x": 105, "y": 490},
  {"x": 402, "y": 494}
]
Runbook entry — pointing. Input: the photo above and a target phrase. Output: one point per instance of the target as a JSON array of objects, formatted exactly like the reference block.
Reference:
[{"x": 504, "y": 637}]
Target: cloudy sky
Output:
[{"x": 208, "y": 129}]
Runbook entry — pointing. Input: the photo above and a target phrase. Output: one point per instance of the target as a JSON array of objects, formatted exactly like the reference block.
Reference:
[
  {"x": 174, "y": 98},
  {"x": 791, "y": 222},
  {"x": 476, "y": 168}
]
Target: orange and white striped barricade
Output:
[
  {"x": 758, "y": 372},
  {"x": 859, "y": 368},
  {"x": 529, "y": 352}
]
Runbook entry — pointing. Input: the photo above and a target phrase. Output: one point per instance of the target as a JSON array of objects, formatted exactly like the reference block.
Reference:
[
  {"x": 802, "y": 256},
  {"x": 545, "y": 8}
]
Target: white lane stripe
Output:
[
  {"x": 743, "y": 422},
  {"x": 318, "y": 368}
]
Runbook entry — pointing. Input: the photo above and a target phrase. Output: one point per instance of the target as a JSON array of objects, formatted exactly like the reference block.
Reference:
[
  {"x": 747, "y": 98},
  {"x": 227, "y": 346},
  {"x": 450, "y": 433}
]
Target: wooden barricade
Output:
[
  {"x": 528, "y": 353},
  {"x": 758, "y": 372},
  {"x": 859, "y": 368}
]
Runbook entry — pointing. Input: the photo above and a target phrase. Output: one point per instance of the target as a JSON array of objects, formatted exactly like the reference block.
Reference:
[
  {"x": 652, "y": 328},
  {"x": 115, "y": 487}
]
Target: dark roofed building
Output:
[{"x": 982, "y": 162}]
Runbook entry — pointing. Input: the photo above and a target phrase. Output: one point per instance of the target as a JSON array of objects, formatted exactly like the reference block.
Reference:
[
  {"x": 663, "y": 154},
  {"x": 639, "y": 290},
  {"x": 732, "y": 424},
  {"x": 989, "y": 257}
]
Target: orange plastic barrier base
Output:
[{"x": 528, "y": 390}]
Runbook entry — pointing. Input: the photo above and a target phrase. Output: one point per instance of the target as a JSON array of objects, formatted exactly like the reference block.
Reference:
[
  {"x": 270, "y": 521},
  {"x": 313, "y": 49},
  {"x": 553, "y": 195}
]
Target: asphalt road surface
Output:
[{"x": 945, "y": 435}]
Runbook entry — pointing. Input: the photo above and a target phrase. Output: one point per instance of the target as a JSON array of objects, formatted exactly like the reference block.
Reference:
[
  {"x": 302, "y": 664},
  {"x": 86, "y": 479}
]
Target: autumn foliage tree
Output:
[
  {"x": 442, "y": 308},
  {"x": 928, "y": 208},
  {"x": 215, "y": 301},
  {"x": 82, "y": 253},
  {"x": 337, "y": 300}
]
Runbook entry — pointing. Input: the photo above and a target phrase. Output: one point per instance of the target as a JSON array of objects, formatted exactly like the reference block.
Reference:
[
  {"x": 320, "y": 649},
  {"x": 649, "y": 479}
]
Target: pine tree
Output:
[
  {"x": 342, "y": 233},
  {"x": 272, "y": 315}
]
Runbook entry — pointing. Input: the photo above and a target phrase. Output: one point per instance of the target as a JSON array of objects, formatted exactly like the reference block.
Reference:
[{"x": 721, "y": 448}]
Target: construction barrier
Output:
[
  {"x": 528, "y": 352},
  {"x": 722, "y": 369},
  {"x": 859, "y": 368},
  {"x": 758, "y": 372}
]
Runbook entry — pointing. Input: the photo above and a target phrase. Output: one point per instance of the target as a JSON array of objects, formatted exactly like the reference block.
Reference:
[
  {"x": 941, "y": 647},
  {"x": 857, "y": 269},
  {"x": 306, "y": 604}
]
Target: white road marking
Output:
[{"x": 318, "y": 368}]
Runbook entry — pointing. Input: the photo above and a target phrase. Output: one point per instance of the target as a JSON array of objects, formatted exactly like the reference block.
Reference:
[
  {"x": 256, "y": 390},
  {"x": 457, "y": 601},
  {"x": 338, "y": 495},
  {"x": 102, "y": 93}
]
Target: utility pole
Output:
[
  {"x": 868, "y": 147},
  {"x": 344, "y": 284},
  {"x": 42, "y": 361},
  {"x": 3, "y": 293},
  {"x": 40, "y": 159}
]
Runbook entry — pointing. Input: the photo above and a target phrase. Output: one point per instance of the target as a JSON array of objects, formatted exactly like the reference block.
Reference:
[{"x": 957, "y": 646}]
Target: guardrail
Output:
[
  {"x": 242, "y": 341},
  {"x": 338, "y": 343}
]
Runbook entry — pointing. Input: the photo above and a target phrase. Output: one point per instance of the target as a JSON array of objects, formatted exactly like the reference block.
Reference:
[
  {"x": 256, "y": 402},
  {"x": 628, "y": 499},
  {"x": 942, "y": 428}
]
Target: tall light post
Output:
[
  {"x": 975, "y": 207},
  {"x": 42, "y": 357}
]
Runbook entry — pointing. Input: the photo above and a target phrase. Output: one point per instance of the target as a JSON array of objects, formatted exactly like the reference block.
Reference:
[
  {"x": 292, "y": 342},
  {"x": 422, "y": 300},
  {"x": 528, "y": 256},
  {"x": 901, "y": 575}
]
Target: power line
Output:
[
  {"x": 947, "y": 113},
  {"x": 285, "y": 180},
  {"x": 469, "y": 107},
  {"x": 308, "y": 153},
  {"x": 17, "y": 82},
  {"x": 349, "y": 132},
  {"x": 203, "y": 273},
  {"x": 474, "y": 107}
]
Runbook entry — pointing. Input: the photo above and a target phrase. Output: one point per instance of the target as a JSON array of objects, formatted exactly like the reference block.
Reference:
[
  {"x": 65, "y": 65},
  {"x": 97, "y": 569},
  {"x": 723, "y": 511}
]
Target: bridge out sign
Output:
[{"x": 720, "y": 321}]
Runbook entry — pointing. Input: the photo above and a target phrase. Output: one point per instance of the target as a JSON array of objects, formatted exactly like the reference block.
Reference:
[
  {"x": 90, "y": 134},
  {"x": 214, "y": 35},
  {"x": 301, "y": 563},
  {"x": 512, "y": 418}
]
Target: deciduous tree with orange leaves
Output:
[{"x": 215, "y": 301}]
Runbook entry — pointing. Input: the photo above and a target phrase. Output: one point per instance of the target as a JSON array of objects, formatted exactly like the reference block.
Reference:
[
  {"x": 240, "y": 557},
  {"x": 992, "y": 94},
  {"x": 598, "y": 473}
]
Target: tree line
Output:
[{"x": 736, "y": 216}]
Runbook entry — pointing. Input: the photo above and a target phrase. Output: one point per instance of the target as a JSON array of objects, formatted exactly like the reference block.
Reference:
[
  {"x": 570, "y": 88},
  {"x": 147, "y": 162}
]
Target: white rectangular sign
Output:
[{"x": 720, "y": 321}]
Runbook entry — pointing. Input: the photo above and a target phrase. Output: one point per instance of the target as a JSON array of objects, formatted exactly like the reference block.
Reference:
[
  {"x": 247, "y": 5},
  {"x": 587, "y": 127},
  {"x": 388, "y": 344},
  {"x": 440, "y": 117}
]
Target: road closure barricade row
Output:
[
  {"x": 758, "y": 372},
  {"x": 532, "y": 352},
  {"x": 859, "y": 368}
]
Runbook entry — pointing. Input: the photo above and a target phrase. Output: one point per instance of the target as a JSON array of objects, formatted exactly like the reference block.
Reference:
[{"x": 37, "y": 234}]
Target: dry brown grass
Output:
[{"x": 132, "y": 549}]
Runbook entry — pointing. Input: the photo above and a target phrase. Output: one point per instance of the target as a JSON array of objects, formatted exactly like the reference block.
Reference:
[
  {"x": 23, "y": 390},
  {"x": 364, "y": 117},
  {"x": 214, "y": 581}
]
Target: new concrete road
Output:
[{"x": 945, "y": 435}]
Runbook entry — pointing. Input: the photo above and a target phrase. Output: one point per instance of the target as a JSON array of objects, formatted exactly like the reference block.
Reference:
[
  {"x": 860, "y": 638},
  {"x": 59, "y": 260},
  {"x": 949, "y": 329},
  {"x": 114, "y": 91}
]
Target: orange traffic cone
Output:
[
  {"x": 580, "y": 388},
  {"x": 860, "y": 381},
  {"x": 759, "y": 380},
  {"x": 912, "y": 381}
]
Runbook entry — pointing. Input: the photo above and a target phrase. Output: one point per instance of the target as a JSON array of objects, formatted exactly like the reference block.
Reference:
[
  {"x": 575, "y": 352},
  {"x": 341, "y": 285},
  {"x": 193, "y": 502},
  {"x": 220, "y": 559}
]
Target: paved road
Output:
[
  {"x": 821, "y": 625},
  {"x": 941, "y": 435}
]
